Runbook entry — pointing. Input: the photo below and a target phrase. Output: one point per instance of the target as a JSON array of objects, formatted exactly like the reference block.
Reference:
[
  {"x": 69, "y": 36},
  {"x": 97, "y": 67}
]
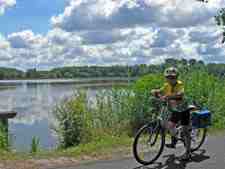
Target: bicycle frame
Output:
[
  {"x": 163, "y": 118},
  {"x": 164, "y": 114}
]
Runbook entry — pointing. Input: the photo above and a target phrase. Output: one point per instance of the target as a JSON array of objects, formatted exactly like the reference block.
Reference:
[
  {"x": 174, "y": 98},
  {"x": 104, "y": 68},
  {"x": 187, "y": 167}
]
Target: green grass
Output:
[
  {"x": 104, "y": 147},
  {"x": 35, "y": 145},
  {"x": 101, "y": 147}
]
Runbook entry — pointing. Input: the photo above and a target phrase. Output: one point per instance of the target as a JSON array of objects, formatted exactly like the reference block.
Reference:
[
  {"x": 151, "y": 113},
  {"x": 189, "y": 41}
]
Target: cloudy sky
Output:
[{"x": 46, "y": 34}]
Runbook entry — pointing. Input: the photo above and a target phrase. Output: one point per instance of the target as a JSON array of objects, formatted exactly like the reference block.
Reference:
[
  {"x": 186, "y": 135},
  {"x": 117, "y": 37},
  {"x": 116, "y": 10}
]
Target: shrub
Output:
[
  {"x": 206, "y": 90},
  {"x": 73, "y": 120},
  {"x": 142, "y": 107}
]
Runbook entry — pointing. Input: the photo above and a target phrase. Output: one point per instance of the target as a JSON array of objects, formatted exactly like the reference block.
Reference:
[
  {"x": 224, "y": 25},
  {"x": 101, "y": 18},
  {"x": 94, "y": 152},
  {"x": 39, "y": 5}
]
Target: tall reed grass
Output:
[{"x": 122, "y": 110}]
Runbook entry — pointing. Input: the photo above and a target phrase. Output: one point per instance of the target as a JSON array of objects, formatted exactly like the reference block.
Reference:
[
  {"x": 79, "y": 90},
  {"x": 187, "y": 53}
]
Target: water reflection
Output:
[{"x": 34, "y": 103}]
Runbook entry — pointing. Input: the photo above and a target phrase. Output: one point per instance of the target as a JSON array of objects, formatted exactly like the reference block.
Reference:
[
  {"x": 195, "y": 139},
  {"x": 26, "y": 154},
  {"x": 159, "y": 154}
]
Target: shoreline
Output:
[{"x": 78, "y": 80}]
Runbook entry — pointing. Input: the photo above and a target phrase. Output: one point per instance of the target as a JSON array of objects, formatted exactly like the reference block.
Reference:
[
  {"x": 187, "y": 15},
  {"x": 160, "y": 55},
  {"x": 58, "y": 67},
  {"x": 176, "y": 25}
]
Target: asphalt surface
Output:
[{"x": 210, "y": 156}]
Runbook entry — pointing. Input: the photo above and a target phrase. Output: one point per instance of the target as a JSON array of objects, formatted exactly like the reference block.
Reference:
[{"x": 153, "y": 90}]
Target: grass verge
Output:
[{"x": 103, "y": 147}]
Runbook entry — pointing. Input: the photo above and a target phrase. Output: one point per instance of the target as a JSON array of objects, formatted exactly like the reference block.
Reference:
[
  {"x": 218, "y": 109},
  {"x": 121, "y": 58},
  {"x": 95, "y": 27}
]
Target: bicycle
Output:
[{"x": 153, "y": 134}]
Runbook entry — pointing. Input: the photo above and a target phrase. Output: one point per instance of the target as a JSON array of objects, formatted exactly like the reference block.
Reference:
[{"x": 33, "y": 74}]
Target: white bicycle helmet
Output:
[{"x": 171, "y": 71}]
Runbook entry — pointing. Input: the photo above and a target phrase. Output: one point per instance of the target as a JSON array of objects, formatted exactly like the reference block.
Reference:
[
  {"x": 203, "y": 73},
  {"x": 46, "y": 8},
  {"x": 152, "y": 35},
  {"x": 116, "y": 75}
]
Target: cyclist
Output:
[{"x": 173, "y": 92}]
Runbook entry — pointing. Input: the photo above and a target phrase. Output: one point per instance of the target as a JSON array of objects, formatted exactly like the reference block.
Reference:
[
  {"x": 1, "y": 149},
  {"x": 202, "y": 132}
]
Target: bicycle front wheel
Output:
[
  {"x": 198, "y": 136},
  {"x": 148, "y": 144}
]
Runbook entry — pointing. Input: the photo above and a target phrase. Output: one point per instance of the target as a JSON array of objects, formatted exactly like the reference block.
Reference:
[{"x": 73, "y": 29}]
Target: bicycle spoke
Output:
[
  {"x": 148, "y": 145},
  {"x": 197, "y": 138}
]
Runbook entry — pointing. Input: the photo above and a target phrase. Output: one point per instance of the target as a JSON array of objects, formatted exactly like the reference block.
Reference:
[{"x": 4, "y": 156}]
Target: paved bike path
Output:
[{"x": 210, "y": 156}]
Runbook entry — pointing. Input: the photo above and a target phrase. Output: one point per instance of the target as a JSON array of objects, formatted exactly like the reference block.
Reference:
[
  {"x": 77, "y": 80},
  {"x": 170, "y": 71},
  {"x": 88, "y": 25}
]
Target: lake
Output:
[{"x": 34, "y": 101}]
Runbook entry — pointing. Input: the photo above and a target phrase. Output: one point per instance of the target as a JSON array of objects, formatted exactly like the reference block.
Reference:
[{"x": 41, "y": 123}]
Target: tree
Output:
[
  {"x": 192, "y": 62},
  {"x": 1, "y": 75},
  {"x": 184, "y": 61},
  {"x": 171, "y": 62},
  {"x": 220, "y": 20},
  {"x": 32, "y": 73}
]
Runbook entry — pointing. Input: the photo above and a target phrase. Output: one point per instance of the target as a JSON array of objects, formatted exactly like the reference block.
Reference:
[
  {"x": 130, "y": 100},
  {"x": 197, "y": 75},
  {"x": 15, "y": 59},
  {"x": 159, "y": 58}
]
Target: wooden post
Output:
[{"x": 4, "y": 116}]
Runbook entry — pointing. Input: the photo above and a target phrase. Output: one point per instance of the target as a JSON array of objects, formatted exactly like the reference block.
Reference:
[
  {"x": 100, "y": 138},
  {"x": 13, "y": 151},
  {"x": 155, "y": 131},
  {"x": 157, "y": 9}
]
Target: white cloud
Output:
[
  {"x": 132, "y": 46},
  {"x": 26, "y": 39},
  {"x": 134, "y": 35},
  {"x": 6, "y": 4},
  {"x": 61, "y": 37},
  {"x": 109, "y": 14}
]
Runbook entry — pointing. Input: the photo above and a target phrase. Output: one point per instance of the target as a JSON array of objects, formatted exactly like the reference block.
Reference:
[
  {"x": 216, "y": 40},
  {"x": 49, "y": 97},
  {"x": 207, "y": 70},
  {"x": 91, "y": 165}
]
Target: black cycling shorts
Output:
[{"x": 183, "y": 117}]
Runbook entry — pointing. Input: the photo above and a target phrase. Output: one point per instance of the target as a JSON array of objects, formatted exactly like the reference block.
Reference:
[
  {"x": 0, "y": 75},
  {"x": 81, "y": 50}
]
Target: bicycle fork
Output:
[{"x": 154, "y": 128}]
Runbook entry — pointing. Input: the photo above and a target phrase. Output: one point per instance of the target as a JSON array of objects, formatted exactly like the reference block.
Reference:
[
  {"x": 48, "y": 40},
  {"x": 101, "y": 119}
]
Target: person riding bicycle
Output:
[{"x": 173, "y": 92}]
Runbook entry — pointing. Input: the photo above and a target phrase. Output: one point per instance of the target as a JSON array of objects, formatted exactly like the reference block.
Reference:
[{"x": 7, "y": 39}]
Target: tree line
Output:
[{"x": 111, "y": 71}]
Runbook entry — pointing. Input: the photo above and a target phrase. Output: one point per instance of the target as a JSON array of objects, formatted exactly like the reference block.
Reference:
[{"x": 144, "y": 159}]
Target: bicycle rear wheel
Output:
[
  {"x": 148, "y": 144},
  {"x": 198, "y": 136}
]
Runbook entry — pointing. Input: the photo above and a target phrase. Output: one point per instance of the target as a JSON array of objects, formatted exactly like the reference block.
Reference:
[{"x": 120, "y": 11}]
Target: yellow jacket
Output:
[{"x": 169, "y": 90}]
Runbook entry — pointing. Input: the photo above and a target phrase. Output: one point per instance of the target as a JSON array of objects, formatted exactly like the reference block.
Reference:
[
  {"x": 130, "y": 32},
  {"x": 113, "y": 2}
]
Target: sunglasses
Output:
[{"x": 171, "y": 77}]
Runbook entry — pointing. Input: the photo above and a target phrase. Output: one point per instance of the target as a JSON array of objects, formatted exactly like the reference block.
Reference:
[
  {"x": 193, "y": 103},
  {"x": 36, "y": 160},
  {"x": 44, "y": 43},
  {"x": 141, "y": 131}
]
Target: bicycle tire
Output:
[
  {"x": 202, "y": 140},
  {"x": 160, "y": 133}
]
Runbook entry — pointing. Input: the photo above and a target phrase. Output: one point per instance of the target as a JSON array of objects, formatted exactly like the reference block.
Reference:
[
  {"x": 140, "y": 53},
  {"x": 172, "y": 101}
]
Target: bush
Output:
[
  {"x": 73, "y": 120},
  {"x": 142, "y": 107},
  {"x": 206, "y": 90},
  {"x": 209, "y": 92}
]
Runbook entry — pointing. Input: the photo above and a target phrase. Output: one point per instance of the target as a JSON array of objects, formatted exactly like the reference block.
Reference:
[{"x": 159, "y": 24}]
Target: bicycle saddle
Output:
[{"x": 189, "y": 108}]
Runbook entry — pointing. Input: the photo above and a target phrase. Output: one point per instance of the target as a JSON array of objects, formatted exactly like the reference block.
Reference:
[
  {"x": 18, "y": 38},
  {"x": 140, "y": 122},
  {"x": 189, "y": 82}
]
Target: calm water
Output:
[{"x": 34, "y": 100}]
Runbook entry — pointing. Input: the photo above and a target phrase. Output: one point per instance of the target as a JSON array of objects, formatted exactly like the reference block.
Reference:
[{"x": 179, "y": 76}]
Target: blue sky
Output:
[
  {"x": 45, "y": 34},
  {"x": 30, "y": 14}
]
